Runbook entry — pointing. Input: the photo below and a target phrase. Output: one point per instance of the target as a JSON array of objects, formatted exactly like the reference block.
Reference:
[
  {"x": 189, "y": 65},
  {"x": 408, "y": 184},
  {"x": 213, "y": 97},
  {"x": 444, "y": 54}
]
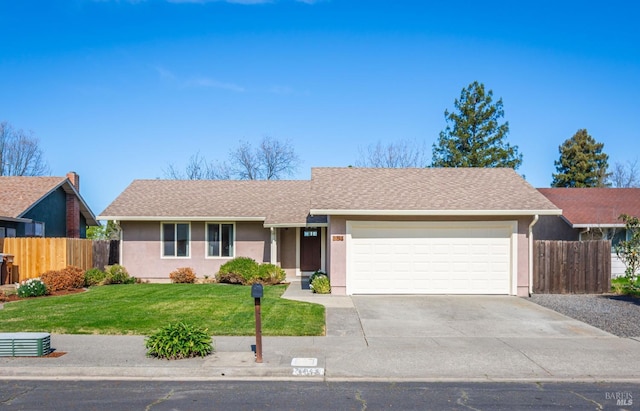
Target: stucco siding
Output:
[
  {"x": 287, "y": 251},
  {"x": 142, "y": 249}
]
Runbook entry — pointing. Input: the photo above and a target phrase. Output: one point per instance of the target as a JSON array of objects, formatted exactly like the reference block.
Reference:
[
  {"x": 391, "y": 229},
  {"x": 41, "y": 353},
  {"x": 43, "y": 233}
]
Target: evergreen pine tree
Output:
[
  {"x": 473, "y": 136},
  {"x": 582, "y": 163}
]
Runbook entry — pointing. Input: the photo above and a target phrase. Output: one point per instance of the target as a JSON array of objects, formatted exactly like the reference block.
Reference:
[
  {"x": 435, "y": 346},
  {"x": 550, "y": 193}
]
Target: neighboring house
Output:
[
  {"x": 43, "y": 207},
  {"x": 374, "y": 231},
  {"x": 590, "y": 214}
]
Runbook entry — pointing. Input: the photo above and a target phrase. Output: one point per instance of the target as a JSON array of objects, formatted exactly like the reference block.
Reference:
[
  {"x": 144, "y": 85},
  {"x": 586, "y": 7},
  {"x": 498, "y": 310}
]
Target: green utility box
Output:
[{"x": 24, "y": 344}]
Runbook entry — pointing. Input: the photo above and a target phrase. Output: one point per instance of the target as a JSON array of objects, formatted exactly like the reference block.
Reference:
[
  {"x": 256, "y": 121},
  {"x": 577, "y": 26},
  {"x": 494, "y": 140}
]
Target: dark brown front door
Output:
[{"x": 310, "y": 244}]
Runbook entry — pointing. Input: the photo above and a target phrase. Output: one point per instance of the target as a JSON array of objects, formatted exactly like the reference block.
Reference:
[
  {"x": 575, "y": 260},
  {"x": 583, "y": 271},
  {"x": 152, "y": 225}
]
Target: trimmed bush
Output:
[
  {"x": 117, "y": 274},
  {"x": 320, "y": 284},
  {"x": 184, "y": 275},
  {"x": 94, "y": 276},
  {"x": 240, "y": 270},
  {"x": 270, "y": 274},
  {"x": 246, "y": 271},
  {"x": 179, "y": 340},
  {"x": 68, "y": 278},
  {"x": 32, "y": 287}
]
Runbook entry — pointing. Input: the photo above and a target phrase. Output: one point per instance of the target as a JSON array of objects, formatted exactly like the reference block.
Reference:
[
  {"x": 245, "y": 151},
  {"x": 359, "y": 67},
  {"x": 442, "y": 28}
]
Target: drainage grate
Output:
[{"x": 24, "y": 344}]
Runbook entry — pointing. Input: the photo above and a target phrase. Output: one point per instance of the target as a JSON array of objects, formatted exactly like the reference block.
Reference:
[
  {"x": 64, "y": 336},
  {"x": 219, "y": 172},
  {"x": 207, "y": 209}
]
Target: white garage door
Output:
[{"x": 430, "y": 257}]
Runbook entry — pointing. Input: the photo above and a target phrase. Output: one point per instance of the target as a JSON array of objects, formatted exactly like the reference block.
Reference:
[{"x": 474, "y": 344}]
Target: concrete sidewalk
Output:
[{"x": 345, "y": 353}]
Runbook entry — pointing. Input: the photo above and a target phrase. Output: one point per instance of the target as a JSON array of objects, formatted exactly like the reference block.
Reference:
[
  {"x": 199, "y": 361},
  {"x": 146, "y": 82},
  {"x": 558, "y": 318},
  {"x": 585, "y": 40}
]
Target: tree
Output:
[
  {"x": 271, "y": 160},
  {"x": 199, "y": 169},
  {"x": 628, "y": 251},
  {"x": 625, "y": 175},
  {"x": 473, "y": 136},
  {"x": 582, "y": 162},
  {"x": 111, "y": 231},
  {"x": 401, "y": 154},
  {"x": 20, "y": 153}
]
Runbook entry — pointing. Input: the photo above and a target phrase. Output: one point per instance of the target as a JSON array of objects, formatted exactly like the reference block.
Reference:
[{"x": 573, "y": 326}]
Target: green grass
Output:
[{"x": 144, "y": 308}]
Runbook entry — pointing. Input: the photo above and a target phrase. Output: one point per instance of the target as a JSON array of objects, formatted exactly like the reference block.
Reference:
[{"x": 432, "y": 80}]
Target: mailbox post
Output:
[{"x": 256, "y": 293}]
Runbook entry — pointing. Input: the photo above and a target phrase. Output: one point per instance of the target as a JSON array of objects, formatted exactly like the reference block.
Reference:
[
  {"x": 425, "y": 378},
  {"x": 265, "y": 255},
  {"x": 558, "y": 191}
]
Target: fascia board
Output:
[
  {"x": 435, "y": 212},
  {"x": 598, "y": 226},
  {"x": 178, "y": 218},
  {"x": 293, "y": 225}
]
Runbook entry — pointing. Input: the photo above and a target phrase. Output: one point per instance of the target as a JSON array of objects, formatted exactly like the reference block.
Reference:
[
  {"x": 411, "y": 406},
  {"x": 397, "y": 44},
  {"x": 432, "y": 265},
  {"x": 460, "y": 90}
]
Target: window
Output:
[
  {"x": 220, "y": 240},
  {"x": 310, "y": 233},
  {"x": 175, "y": 240},
  {"x": 621, "y": 235},
  {"x": 35, "y": 229}
]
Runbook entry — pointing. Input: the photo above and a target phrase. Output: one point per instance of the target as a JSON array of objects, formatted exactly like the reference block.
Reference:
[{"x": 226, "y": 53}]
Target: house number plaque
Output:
[{"x": 337, "y": 238}]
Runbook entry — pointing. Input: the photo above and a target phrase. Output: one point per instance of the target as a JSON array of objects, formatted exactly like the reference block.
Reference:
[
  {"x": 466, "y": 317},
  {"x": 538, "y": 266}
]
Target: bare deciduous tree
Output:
[
  {"x": 199, "y": 169},
  {"x": 246, "y": 165},
  {"x": 276, "y": 158},
  {"x": 625, "y": 175},
  {"x": 20, "y": 153},
  {"x": 401, "y": 154},
  {"x": 271, "y": 160}
]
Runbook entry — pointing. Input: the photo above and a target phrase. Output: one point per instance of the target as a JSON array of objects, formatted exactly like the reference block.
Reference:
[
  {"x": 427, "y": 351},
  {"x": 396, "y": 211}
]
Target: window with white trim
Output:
[
  {"x": 220, "y": 239},
  {"x": 175, "y": 239}
]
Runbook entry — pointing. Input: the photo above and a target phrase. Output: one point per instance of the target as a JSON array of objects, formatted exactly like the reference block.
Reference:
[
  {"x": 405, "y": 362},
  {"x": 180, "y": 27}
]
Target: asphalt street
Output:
[{"x": 36, "y": 395}]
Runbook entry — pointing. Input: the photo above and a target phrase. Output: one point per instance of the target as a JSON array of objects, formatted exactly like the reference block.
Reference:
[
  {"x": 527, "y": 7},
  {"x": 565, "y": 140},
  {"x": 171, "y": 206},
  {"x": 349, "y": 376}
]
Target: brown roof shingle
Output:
[
  {"x": 425, "y": 189},
  {"x": 275, "y": 202},
  {"x": 594, "y": 206},
  {"x": 18, "y": 194}
]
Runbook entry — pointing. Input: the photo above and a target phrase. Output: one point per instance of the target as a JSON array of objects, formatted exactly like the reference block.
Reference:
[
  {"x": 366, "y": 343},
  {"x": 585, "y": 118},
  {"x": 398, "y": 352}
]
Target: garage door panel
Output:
[{"x": 426, "y": 258}]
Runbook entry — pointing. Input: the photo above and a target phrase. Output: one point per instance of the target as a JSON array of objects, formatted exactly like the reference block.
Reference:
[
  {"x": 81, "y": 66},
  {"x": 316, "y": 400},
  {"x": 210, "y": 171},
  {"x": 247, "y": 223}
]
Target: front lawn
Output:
[{"x": 144, "y": 308}]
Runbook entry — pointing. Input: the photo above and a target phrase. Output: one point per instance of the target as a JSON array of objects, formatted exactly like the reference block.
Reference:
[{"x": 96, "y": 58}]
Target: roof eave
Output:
[
  {"x": 16, "y": 219},
  {"x": 614, "y": 225},
  {"x": 177, "y": 218},
  {"x": 294, "y": 225},
  {"x": 434, "y": 212}
]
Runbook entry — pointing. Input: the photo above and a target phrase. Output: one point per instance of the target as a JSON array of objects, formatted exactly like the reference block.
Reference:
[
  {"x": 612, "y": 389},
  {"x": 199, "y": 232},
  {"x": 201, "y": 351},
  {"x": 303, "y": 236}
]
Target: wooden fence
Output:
[
  {"x": 34, "y": 256},
  {"x": 572, "y": 267}
]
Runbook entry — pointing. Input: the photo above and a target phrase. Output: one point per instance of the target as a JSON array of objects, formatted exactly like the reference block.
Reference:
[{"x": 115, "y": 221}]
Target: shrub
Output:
[
  {"x": 270, "y": 274},
  {"x": 240, "y": 270},
  {"x": 245, "y": 271},
  {"x": 32, "y": 287},
  {"x": 179, "y": 340},
  {"x": 117, "y": 274},
  {"x": 314, "y": 275},
  {"x": 183, "y": 275},
  {"x": 320, "y": 284},
  {"x": 94, "y": 276},
  {"x": 626, "y": 286},
  {"x": 66, "y": 279}
]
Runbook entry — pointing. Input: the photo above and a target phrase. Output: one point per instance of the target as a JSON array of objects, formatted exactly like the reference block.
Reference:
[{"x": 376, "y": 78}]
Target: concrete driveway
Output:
[{"x": 464, "y": 316}]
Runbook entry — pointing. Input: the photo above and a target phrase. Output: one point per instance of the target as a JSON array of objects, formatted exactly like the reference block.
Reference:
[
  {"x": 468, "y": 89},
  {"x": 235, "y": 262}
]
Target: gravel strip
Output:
[{"x": 618, "y": 315}]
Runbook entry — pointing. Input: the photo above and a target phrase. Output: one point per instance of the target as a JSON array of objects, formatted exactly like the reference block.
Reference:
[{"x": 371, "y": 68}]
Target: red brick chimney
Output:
[
  {"x": 73, "y": 207},
  {"x": 75, "y": 179}
]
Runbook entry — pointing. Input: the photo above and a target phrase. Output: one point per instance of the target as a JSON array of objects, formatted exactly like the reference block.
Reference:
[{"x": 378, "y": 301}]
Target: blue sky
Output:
[{"x": 118, "y": 90}]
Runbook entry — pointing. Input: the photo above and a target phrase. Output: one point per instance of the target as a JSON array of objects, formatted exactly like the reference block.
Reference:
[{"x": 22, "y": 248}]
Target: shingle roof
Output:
[
  {"x": 19, "y": 194},
  {"x": 594, "y": 206},
  {"x": 428, "y": 190},
  {"x": 275, "y": 202}
]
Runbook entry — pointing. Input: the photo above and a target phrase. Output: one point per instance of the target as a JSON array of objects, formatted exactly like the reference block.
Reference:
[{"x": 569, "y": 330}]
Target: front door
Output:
[{"x": 310, "y": 249}]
